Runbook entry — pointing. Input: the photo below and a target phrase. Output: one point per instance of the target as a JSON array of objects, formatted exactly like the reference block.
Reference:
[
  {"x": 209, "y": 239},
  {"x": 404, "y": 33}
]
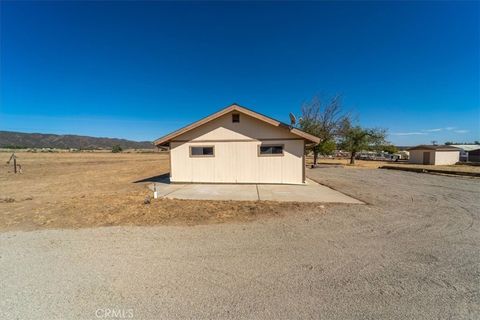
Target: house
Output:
[
  {"x": 434, "y": 154},
  {"x": 237, "y": 145}
]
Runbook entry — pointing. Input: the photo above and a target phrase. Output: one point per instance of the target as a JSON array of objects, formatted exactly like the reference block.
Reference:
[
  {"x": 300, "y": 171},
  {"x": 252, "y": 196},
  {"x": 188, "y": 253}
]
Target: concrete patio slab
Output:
[
  {"x": 304, "y": 193},
  {"x": 309, "y": 192},
  {"x": 241, "y": 192},
  {"x": 164, "y": 189}
]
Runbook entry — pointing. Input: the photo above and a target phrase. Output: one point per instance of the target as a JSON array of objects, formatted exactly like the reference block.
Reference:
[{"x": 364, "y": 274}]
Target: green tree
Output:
[
  {"x": 390, "y": 148},
  {"x": 357, "y": 139},
  {"x": 327, "y": 147},
  {"x": 324, "y": 120},
  {"x": 117, "y": 148}
]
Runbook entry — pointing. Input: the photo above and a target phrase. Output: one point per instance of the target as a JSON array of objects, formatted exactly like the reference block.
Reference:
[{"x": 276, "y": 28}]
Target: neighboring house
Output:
[
  {"x": 237, "y": 145},
  {"x": 469, "y": 152},
  {"x": 473, "y": 155},
  {"x": 434, "y": 154},
  {"x": 403, "y": 155}
]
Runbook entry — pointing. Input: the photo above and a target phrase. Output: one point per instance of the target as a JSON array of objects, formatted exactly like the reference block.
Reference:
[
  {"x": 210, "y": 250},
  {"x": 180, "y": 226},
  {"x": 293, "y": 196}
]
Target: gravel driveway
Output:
[{"x": 412, "y": 253}]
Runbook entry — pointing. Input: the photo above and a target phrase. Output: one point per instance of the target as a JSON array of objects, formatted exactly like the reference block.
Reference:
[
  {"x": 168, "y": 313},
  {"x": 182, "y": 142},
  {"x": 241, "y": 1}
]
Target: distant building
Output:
[
  {"x": 434, "y": 155},
  {"x": 402, "y": 155},
  {"x": 469, "y": 152},
  {"x": 473, "y": 155}
]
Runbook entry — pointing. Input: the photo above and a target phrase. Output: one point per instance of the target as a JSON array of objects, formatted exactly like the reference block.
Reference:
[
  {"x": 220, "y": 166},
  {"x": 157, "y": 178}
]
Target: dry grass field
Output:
[{"x": 77, "y": 190}]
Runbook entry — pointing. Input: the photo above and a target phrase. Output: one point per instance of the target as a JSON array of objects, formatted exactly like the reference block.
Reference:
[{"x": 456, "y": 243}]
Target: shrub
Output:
[{"x": 116, "y": 148}]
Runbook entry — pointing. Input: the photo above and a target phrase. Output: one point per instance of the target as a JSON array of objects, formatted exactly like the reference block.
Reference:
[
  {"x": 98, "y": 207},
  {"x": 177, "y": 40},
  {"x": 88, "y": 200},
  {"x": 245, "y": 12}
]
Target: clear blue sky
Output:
[{"x": 138, "y": 70}]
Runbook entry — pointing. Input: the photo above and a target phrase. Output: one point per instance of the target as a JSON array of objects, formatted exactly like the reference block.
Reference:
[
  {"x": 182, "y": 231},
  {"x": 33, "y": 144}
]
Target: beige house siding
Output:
[
  {"x": 416, "y": 156},
  {"x": 224, "y": 129},
  {"x": 236, "y": 148},
  {"x": 447, "y": 157},
  {"x": 436, "y": 157}
]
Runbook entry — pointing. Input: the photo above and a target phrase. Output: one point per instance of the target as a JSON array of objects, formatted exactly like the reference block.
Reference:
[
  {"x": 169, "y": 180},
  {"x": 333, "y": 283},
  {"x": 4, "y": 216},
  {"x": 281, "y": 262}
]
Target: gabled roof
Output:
[
  {"x": 435, "y": 148},
  {"x": 235, "y": 107}
]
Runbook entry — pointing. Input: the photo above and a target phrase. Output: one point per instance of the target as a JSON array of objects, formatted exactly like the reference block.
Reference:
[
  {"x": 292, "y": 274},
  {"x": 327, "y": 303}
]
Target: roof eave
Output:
[{"x": 434, "y": 149}]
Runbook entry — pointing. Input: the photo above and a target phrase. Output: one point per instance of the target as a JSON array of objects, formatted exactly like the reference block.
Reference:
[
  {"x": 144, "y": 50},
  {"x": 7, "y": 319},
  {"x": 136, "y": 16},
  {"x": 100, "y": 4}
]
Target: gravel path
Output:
[{"x": 412, "y": 253}]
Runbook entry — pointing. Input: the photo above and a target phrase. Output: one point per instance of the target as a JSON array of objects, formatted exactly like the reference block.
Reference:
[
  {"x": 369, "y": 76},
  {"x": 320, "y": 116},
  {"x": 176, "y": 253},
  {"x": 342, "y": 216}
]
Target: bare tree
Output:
[{"x": 325, "y": 120}]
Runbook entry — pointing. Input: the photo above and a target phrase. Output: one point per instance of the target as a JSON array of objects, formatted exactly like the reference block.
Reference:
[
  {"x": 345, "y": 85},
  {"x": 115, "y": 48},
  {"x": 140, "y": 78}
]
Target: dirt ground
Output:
[
  {"x": 411, "y": 253},
  {"x": 372, "y": 164},
  {"x": 77, "y": 190}
]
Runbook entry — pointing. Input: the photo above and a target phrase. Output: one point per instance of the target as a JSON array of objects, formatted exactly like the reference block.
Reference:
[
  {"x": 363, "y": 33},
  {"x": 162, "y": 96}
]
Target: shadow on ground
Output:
[{"x": 163, "y": 178}]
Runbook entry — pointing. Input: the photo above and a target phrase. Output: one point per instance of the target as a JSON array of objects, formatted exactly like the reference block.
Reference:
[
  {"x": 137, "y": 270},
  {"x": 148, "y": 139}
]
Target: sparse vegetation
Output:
[
  {"x": 116, "y": 149},
  {"x": 449, "y": 143}
]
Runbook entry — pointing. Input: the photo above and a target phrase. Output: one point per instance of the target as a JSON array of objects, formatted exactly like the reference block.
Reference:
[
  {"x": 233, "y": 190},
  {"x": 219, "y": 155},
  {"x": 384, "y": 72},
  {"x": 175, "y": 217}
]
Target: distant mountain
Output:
[{"x": 9, "y": 139}]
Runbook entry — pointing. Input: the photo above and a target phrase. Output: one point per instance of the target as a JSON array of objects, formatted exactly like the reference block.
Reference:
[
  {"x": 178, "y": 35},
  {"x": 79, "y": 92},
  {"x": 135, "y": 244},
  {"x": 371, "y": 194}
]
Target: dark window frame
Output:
[
  {"x": 235, "y": 117},
  {"x": 260, "y": 154},
  {"x": 202, "y": 155}
]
